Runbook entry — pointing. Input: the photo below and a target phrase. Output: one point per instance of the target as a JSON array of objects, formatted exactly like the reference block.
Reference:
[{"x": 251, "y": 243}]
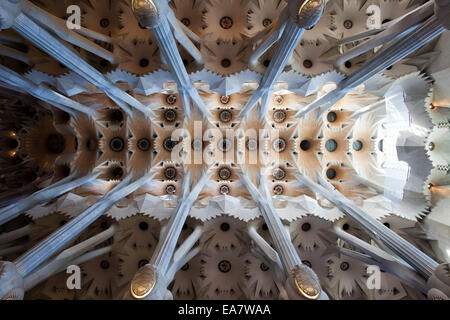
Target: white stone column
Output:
[
  {"x": 151, "y": 281},
  {"x": 428, "y": 31},
  {"x": 75, "y": 255},
  {"x": 379, "y": 232},
  {"x": 43, "y": 93},
  {"x": 59, "y": 27},
  {"x": 286, "y": 46},
  {"x": 303, "y": 14},
  {"x": 60, "y": 238},
  {"x": 45, "y": 195},
  {"x": 301, "y": 281},
  {"x": 67, "y": 56},
  {"x": 154, "y": 14}
]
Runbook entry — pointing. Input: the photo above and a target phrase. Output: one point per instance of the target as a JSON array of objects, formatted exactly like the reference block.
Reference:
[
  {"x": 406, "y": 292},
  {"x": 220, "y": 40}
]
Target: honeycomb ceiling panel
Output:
[{"x": 224, "y": 150}]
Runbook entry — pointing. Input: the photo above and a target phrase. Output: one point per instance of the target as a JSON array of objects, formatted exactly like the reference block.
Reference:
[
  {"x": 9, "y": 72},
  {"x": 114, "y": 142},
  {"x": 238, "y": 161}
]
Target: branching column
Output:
[
  {"x": 75, "y": 255},
  {"x": 302, "y": 282},
  {"x": 155, "y": 15},
  {"x": 14, "y": 15},
  {"x": 43, "y": 196},
  {"x": 43, "y": 93},
  {"x": 150, "y": 282},
  {"x": 303, "y": 15},
  {"x": 40, "y": 253},
  {"x": 61, "y": 52},
  {"x": 379, "y": 232},
  {"x": 15, "y": 273},
  {"x": 428, "y": 31}
]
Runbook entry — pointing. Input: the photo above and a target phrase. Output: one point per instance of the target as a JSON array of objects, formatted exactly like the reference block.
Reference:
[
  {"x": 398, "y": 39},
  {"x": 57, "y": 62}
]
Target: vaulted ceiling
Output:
[{"x": 233, "y": 149}]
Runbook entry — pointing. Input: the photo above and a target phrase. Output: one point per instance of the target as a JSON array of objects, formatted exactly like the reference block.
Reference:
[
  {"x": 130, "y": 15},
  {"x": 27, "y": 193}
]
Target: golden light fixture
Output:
[
  {"x": 305, "y": 281},
  {"x": 146, "y": 12},
  {"x": 144, "y": 6},
  {"x": 143, "y": 282},
  {"x": 309, "y": 13},
  {"x": 308, "y": 5}
]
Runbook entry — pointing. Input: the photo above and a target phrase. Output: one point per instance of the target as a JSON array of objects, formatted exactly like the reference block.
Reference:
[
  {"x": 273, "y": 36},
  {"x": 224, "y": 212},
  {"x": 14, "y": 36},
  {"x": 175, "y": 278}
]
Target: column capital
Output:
[
  {"x": 149, "y": 283},
  {"x": 144, "y": 282},
  {"x": 147, "y": 12},
  {"x": 306, "y": 13},
  {"x": 303, "y": 284}
]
